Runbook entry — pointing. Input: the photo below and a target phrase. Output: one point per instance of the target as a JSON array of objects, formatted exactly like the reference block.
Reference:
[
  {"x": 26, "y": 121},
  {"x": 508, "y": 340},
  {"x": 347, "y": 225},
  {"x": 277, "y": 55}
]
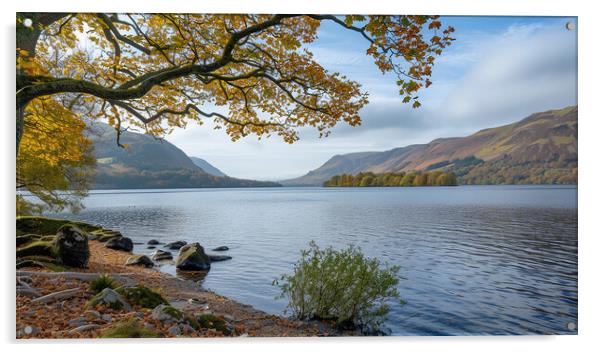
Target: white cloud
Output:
[{"x": 524, "y": 70}]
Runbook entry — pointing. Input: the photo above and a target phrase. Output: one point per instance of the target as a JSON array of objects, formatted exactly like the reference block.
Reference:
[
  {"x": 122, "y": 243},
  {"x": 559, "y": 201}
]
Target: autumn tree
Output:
[
  {"x": 158, "y": 72},
  {"x": 55, "y": 161}
]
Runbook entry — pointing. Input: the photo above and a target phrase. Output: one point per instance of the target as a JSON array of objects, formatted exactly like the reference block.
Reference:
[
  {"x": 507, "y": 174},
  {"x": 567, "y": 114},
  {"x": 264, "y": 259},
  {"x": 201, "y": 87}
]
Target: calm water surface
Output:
[{"x": 475, "y": 259}]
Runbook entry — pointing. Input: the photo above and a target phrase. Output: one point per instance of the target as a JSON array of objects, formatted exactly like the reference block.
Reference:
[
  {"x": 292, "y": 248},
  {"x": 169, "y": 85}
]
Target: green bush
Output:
[
  {"x": 342, "y": 286},
  {"x": 101, "y": 282}
]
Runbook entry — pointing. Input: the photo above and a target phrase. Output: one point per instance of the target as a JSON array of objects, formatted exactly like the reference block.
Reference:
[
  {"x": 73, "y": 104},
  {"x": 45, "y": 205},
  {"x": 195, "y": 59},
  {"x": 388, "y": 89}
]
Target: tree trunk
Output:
[
  {"x": 27, "y": 39},
  {"x": 20, "y": 125}
]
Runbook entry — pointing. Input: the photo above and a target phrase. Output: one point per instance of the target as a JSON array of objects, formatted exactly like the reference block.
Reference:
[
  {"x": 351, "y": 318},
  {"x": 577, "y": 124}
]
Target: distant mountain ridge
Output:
[
  {"x": 541, "y": 148},
  {"x": 205, "y": 166},
  {"x": 148, "y": 162}
]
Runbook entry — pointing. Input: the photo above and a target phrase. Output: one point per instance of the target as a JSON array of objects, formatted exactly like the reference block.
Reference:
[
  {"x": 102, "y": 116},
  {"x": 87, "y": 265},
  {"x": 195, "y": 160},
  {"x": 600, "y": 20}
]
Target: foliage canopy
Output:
[{"x": 158, "y": 72}]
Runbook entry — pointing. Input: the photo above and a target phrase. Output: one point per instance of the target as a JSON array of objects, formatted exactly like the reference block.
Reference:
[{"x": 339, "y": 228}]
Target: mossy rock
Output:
[
  {"x": 192, "y": 257},
  {"x": 142, "y": 296},
  {"x": 167, "y": 314},
  {"x": 47, "y": 226},
  {"x": 128, "y": 329},
  {"x": 140, "y": 259},
  {"x": 26, "y": 238},
  {"x": 210, "y": 321},
  {"x": 109, "y": 298},
  {"x": 104, "y": 235},
  {"x": 70, "y": 245},
  {"x": 36, "y": 248},
  {"x": 174, "y": 312},
  {"x": 41, "y": 262}
]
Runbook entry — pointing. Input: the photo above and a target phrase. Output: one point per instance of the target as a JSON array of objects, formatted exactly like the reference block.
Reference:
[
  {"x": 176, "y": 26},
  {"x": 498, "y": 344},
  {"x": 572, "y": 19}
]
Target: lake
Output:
[{"x": 474, "y": 259}]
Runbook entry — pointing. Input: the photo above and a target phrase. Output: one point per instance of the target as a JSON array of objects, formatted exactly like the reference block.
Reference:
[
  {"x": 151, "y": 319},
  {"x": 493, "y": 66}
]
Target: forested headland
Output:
[{"x": 393, "y": 179}]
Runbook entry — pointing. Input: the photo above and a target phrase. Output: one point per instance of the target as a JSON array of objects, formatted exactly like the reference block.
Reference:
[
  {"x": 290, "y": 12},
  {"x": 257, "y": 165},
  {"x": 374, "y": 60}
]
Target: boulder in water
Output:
[
  {"x": 220, "y": 249},
  {"x": 219, "y": 258},
  {"x": 192, "y": 257},
  {"x": 176, "y": 245}
]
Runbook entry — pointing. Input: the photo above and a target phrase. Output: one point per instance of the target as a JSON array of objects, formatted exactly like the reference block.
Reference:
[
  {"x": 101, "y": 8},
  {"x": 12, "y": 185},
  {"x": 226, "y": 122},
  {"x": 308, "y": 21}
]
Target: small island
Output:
[{"x": 393, "y": 179}]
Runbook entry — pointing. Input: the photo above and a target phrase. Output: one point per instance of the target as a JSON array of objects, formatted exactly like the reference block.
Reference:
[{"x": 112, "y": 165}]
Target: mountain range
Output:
[
  {"x": 539, "y": 149},
  {"x": 148, "y": 162}
]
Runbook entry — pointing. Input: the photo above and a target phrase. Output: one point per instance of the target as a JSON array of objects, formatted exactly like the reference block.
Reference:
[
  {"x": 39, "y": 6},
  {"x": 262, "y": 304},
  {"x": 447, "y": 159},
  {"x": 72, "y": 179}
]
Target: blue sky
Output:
[{"x": 499, "y": 70}]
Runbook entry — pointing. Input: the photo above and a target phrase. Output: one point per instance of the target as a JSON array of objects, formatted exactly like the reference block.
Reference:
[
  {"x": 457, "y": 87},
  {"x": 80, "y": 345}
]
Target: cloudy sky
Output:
[{"x": 499, "y": 70}]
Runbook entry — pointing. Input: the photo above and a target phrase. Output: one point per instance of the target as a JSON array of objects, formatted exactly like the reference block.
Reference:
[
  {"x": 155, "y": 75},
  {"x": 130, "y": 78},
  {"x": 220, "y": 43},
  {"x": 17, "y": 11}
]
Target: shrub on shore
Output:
[
  {"x": 342, "y": 286},
  {"x": 101, "y": 282}
]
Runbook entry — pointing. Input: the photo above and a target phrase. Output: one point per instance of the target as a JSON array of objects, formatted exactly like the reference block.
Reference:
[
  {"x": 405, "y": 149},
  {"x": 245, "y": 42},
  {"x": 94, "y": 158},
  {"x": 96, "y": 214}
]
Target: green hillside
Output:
[
  {"x": 540, "y": 149},
  {"x": 148, "y": 162}
]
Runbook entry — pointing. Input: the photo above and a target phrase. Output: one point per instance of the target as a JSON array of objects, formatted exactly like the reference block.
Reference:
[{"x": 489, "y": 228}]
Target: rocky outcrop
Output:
[
  {"x": 192, "y": 257},
  {"x": 69, "y": 247}
]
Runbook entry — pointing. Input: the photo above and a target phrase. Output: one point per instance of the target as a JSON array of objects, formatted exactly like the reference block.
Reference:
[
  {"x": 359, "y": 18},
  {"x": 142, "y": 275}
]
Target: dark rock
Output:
[
  {"x": 161, "y": 255},
  {"x": 140, "y": 259},
  {"x": 220, "y": 249},
  {"x": 153, "y": 242},
  {"x": 192, "y": 257},
  {"x": 77, "y": 322},
  {"x": 71, "y": 246},
  {"x": 219, "y": 258},
  {"x": 175, "y": 245},
  {"x": 151, "y": 247},
  {"x": 120, "y": 243}
]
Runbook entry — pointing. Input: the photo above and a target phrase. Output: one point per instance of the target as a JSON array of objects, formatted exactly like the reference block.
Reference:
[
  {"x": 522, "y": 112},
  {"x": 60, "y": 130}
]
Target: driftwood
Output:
[
  {"x": 84, "y": 328},
  {"x": 55, "y": 296},
  {"x": 27, "y": 291},
  {"x": 125, "y": 277}
]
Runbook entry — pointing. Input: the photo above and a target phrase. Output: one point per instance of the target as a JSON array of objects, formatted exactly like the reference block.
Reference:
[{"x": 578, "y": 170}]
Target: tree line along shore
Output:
[{"x": 393, "y": 179}]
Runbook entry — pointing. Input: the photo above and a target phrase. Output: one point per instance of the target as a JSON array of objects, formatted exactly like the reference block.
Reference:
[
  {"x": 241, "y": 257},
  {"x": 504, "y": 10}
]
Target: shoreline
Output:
[{"x": 185, "y": 295}]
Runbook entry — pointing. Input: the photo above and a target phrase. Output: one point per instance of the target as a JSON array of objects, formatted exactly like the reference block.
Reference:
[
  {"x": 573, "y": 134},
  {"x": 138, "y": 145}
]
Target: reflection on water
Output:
[
  {"x": 196, "y": 276},
  {"x": 475, "y": 260}
]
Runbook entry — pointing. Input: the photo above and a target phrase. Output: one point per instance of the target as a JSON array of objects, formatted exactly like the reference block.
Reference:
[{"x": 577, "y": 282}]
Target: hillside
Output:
[
  {"x": 541, "y": 148},
  {"x": 205, "y": 166},
  {"x": 148, "y": 162}
]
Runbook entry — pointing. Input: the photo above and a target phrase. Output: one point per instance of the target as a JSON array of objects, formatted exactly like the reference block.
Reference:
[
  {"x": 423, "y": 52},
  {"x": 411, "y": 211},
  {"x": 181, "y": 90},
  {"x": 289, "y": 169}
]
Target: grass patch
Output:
[
  {"x": 101, "y": 282},
  {"x": 128, "y": 329}
]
